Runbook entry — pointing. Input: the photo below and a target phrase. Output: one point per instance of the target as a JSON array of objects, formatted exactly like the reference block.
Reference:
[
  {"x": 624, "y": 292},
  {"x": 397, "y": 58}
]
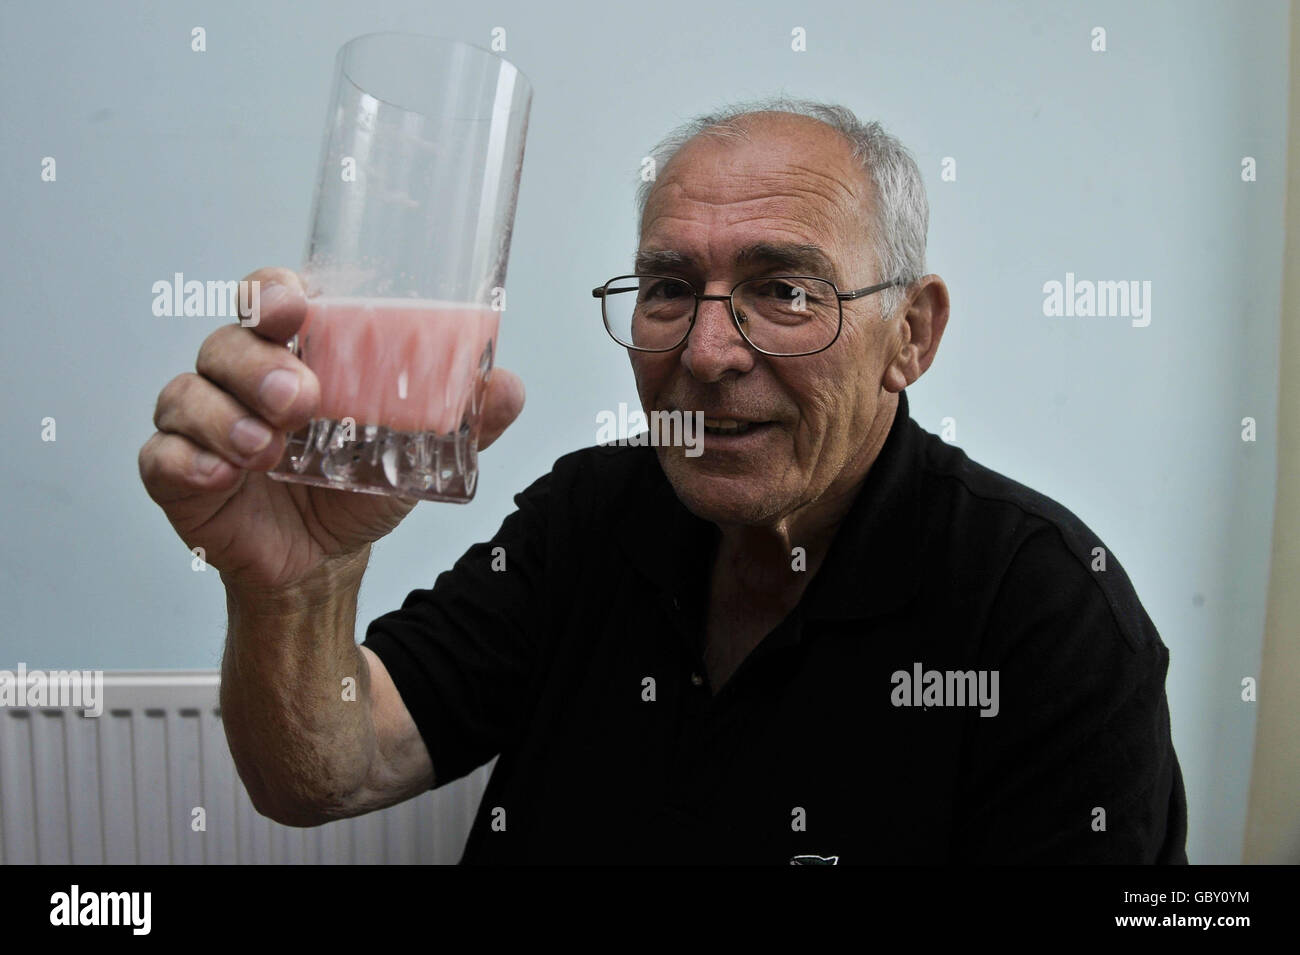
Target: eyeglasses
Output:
[{"x": 783, "y": 316}]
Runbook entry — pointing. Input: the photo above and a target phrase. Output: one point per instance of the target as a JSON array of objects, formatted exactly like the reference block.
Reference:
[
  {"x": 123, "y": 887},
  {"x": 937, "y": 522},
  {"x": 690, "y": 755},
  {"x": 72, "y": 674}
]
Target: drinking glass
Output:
[{"x": 406, "y": 264}]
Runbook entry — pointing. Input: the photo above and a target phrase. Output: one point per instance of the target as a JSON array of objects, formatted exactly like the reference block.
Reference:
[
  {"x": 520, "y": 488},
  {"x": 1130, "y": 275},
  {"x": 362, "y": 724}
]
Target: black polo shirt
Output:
[{"x": 844, "y": 734}]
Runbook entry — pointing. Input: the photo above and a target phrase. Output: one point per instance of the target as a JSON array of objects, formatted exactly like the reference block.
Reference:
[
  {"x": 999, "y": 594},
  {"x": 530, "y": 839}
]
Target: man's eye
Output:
[
  {"x": 665, "y": 290},
  {"x": 776, "y": 288}
]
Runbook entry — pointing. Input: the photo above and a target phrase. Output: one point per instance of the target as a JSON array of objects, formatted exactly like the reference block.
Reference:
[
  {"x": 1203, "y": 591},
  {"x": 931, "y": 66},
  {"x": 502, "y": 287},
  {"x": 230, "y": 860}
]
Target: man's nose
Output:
[{"x": 715, "y": 345}]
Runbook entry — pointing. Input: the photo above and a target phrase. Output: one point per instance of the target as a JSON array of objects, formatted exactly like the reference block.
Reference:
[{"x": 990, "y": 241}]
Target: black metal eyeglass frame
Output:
[{"x": 601, "y": 291}]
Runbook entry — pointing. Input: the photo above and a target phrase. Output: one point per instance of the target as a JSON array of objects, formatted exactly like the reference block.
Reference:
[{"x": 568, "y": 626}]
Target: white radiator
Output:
[{"x": 122, "y": 788}]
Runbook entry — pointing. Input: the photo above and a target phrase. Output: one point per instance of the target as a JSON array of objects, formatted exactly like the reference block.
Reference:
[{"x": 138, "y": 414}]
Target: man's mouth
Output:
[{"x": 730, "y": 426}]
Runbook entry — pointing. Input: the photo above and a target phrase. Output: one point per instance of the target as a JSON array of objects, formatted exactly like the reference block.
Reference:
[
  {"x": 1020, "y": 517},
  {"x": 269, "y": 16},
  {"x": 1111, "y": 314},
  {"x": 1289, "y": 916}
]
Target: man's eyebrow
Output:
[
  {"x": 790, "y": 257},
  {"x": 803, "y": 259},
  {"x": 663, "y": 260}
]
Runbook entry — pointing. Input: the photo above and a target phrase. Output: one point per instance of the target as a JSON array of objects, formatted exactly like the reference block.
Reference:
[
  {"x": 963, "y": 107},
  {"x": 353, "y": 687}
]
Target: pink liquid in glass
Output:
[{"x": 409, "y": 365}]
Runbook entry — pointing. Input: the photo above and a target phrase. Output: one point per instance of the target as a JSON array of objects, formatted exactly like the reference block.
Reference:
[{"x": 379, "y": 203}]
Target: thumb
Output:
[{"x": 501, "y": 405}]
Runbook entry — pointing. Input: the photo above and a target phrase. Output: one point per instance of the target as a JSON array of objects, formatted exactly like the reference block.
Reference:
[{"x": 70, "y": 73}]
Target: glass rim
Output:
[{"x": 356, "y": 42}]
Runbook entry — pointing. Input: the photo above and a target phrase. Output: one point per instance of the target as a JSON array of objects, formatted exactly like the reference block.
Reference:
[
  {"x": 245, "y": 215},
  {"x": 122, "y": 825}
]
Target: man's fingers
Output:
[
  {"x": 266, "y": 378},
  {"x": 174, "y": 468},
  {"x": 281, "y": 304},
  {"x": 504, "y": 401},
  {"x": 214, "y": 420}
]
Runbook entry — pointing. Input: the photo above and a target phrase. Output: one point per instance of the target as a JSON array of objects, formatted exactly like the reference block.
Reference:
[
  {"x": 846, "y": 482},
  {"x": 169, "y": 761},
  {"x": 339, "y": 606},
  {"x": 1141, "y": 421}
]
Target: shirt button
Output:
[{"x": 697, "y": 680}]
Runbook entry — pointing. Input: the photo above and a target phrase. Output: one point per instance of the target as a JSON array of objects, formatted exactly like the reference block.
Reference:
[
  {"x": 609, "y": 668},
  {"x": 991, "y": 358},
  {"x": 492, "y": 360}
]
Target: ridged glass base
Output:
[{"x": 422, "y": 464}]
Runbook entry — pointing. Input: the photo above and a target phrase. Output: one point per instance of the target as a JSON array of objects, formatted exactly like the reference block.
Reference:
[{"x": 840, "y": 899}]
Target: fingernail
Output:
[
  {"x": 205, "y": 462},
  {"x": 249, "y": 435},
  {"x": 278, "y": 390}
]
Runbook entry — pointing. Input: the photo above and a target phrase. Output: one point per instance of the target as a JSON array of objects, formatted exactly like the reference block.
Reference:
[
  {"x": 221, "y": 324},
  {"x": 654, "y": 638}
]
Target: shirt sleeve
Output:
[
  {"x": 464, "y": 654},
  {"x": 1078, "y": 765}
]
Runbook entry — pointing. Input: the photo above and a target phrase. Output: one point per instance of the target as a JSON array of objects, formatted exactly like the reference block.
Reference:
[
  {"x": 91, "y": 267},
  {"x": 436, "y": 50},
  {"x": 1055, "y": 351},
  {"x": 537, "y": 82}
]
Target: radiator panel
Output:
[{"x": 121, "y": 788}]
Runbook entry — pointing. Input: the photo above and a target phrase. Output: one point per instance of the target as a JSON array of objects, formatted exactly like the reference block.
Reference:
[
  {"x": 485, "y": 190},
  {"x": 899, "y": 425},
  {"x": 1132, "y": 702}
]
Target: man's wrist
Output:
[{"x": 334, "y": 579}]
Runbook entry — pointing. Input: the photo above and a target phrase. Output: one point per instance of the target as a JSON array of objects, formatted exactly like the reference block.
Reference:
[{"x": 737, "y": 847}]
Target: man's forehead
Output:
[
  {"x": 802, "y": 161},
  {"x": 791, "y": 178}
]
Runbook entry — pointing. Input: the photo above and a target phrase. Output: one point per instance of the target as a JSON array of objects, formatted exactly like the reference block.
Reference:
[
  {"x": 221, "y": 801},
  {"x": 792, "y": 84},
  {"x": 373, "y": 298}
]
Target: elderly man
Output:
[{"x": 830, "y": 637}]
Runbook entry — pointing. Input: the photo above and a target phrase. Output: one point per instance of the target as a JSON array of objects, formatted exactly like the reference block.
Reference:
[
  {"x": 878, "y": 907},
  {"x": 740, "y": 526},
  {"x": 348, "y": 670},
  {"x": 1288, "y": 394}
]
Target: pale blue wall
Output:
[{"x": 1122, "y": 165}]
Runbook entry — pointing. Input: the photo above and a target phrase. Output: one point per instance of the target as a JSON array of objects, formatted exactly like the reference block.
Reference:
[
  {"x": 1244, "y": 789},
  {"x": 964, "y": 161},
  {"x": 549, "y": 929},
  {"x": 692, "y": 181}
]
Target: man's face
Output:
[{"x": 794, "y": 183}]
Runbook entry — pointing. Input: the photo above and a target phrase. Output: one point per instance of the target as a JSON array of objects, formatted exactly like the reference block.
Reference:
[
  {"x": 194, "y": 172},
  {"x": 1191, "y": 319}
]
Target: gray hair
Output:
[{"x": 902, "y": 212}]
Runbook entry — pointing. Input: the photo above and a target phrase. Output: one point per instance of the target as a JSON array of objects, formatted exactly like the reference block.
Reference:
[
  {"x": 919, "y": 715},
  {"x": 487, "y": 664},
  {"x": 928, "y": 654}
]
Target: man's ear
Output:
[{"x": 924, "y": 318}]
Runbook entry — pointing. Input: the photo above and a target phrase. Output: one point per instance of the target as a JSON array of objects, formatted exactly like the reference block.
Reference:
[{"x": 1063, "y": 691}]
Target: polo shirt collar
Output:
[{"x": 869, "y": 570}]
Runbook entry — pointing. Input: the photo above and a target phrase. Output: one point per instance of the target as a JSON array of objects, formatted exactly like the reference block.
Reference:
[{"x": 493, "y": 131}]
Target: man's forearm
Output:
[{"x": 295, "y": 696}]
